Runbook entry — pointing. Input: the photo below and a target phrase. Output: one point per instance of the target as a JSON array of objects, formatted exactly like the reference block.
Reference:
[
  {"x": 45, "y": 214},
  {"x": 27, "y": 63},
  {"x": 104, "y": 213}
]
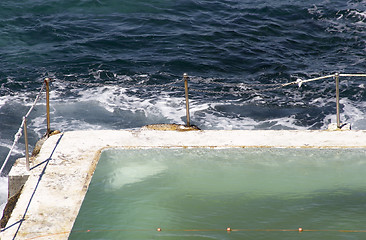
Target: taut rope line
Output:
[{"x": 18, "y": 135}]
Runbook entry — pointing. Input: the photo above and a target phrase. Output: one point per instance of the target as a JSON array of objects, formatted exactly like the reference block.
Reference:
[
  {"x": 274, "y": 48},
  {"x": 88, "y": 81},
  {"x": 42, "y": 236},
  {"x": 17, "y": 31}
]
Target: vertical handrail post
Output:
[
  {"x": 337, "y": 100},
  {"x": 185, "y": 76},
  {"x": 47, "y": 81},
  {"x": 26, "y": 144}
]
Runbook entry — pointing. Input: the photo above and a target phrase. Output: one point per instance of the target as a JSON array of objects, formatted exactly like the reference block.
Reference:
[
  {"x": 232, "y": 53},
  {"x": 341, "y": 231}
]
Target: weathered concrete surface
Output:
[
  {"x": 17, "y": 177},
  {"x": 53, "y": 194}
]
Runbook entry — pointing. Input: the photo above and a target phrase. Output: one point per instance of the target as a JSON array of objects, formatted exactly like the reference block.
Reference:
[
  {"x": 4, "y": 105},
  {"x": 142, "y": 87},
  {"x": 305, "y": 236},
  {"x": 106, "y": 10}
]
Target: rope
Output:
[
  {"x": 275, "y": 86},
  {"x": 235, "y": 92},
  {"x": 157, "y": 85},
  {"x": 300, "y": 81},
  {"x": 19, "y": 133},
  {"x": 244, "y": 88},
  {"x": 138, "y": 85},
  {"x": 200, "y": 230},
  {"x": 242, "y": 84},
  {"x": 352, "y": 75}
]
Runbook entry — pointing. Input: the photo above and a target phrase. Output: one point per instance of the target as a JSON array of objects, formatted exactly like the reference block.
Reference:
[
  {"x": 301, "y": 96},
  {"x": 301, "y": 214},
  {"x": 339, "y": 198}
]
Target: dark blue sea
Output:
[{"x": 119, "y": 64}]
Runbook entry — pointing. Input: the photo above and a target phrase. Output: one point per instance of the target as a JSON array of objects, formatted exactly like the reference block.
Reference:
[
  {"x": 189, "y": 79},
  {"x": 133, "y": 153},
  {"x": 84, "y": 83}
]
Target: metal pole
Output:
[
  {"x": 185, "y": 76},
  {"x": 26, "y": 144},
  {"x": 337, "y": 100},
  {"x": 47, "y": 81}
]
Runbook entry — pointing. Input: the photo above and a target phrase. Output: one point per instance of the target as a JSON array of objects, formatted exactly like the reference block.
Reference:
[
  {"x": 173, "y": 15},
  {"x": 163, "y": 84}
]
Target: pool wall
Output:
[{"x": 55, "y": 187}]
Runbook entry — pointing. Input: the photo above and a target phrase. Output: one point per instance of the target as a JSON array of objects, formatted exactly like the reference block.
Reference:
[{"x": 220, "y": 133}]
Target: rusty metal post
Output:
[
  {"x": 185, "y": 76},
  {"x": 47, "y": 81},
  {"x": 26, "y": 144},
  {"x": 337, "y": 100}
]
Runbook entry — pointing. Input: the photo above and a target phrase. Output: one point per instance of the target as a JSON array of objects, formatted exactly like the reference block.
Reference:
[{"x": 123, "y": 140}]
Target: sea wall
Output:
[{"x": 60, "y": 174}]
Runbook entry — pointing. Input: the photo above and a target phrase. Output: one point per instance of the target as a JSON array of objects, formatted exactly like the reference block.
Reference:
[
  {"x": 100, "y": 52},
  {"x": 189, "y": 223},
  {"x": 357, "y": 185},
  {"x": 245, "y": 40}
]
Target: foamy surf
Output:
[{"x": 3, "y": 193}]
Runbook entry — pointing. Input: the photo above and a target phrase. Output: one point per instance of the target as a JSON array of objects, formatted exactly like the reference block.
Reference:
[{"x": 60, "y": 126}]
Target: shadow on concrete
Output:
[{"x": 45, "y": 163}]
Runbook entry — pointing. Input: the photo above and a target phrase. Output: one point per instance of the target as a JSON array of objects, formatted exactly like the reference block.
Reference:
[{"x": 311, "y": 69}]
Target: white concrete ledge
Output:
[{"x": 53, "y": 194}]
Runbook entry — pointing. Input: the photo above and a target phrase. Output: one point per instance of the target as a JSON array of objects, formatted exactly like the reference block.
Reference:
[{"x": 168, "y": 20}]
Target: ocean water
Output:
[
  {"x": 106, "y": 58},
  {"x": 198, "y": 193}
]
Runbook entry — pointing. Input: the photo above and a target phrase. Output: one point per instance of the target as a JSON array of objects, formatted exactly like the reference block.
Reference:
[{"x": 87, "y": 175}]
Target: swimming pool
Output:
[{"x": 198, "y": 193}]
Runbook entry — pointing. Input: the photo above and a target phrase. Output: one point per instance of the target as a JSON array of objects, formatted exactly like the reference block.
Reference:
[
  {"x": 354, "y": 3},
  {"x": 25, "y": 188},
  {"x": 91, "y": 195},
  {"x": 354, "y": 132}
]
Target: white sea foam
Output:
[
  {"x": 22, "y": 98},
  {"x": 114, "y": 97},
  {"x": 3, "y": 193},
  {"x": 320, "y": 102},
  {"x": 18, "y": 148},
  {"x": 63, "y": 124},
  {"x": 163, "y": 108},
  {"x": 354, "y": 114},
  {"x": 350, "y": 113},
  {"x": 3, "y": 100},
  {"x": 212, "y": 121},
  {"x": 361, "y": 16}
]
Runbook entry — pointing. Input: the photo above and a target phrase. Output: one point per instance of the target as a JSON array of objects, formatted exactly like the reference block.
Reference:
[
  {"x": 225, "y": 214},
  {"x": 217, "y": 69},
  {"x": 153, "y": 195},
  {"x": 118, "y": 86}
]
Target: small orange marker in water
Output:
[
  {"x": 228, "y": 229},
  {"x": 300, "y": 230},
  {"x": 88, "y": 230},
  {"x": 158, "y": 229}
]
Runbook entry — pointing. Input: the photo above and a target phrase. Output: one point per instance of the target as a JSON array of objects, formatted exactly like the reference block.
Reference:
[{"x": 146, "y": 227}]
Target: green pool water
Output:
[{"x": 256, "y": 191}]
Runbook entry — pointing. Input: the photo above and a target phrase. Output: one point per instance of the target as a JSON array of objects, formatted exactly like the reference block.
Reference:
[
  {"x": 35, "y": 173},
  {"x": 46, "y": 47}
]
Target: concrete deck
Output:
[{"x": 61, "y": 173}]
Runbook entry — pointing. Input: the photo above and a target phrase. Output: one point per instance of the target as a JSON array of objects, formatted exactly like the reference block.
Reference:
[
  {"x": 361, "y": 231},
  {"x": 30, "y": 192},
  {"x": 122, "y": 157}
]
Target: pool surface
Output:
[{"x": 198, "y": 193}]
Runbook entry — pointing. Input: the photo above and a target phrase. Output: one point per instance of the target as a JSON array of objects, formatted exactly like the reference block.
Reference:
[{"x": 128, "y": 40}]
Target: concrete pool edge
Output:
[{"x": 52, "y": 196}]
